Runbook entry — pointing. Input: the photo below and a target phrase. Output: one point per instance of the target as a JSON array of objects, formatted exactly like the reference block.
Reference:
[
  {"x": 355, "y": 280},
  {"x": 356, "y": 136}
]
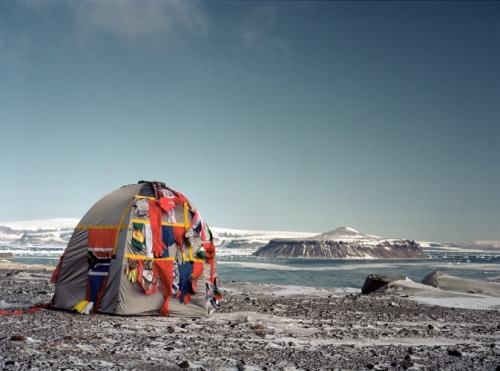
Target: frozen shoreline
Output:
[
  {"x": 456, "y": 297},
  {"x": 259, "y": 326}
]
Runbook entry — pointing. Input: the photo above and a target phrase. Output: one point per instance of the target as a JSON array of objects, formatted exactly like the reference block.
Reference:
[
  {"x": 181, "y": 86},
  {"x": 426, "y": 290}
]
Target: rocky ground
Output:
[{"x": 259, "y": 327}]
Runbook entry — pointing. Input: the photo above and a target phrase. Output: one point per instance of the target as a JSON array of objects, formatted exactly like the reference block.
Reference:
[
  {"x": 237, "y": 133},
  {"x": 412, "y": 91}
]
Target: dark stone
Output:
[
  {"x": 454, "y": 352},
  {"x": 407, "y": 364},
  {"x": 374, "y": 282},
  {"x": 184, "y": 364},
  {"x": 14, "y": 272},
  {"x": 18, "y": 338}
]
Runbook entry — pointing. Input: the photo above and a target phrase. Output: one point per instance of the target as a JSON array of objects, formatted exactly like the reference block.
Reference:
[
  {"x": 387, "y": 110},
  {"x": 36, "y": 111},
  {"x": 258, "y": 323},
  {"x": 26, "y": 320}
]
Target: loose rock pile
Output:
[{"x": 256, "y": 328}]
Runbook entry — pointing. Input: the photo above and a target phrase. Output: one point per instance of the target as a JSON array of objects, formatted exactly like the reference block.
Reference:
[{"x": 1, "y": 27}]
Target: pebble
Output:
[{"x": 350, "y": 332}]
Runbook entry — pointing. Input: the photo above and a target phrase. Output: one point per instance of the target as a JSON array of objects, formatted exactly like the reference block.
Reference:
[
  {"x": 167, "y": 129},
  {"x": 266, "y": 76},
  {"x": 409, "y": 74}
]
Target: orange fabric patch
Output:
[{"x": 102, "y": 237}]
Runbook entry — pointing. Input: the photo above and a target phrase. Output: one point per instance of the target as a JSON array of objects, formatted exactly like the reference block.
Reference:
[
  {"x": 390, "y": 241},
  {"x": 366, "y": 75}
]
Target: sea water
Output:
[
  {"x": 352, "y": 273},
  {"x": 479, "y": 265}
]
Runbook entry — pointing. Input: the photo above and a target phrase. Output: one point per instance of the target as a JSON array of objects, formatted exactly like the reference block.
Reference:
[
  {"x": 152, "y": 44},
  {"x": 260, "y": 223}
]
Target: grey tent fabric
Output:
[{"x": 141, "y": 249}]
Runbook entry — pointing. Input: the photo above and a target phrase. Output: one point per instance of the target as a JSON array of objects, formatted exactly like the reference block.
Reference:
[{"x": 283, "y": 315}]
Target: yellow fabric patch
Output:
[
  {"x": 138, "y": 236},
  {"x": 81, "y": 306}
]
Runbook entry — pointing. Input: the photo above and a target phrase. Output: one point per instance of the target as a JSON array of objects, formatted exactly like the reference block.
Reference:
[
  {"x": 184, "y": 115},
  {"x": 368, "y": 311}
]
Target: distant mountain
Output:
[
  {"x": 19, "y": 237},
  {"x": 342, "y": 243},
  {"x": 58, "y": 232},
  {"x": 37, "y": 232},
  {"x": 249, "y": 239},
  {"x": 343, "y": 233}
]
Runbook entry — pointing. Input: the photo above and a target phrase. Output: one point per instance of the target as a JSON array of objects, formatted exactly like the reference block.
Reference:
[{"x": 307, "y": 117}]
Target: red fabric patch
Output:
[
  {"x": 209, "y": 258},
  {"x": 149, "y": 288},
  {"x": 102, "y": 237},
  {"x": 164, "y": 269},
  {"x": 209, "y": 250},
  {"x": 155, "y": 216},
  {"x": 180, "y": 198},
  {"x": 179, "y": 233},
  {"x": 166, "y": 203}
]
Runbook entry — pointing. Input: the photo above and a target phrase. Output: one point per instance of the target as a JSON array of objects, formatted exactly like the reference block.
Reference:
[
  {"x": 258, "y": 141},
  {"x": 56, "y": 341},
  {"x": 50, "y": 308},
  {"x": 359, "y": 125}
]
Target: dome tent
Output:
[{"x": 141, "y": 249}]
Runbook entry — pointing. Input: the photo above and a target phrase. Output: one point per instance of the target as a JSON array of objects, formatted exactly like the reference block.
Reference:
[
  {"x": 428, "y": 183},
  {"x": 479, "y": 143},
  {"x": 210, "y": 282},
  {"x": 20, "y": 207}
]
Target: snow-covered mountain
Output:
[
  {"x": 37, "y": 232},
  {"x": 246, "y": 242},
  {"x": 341, "y": 243},
  {"x": 340, "y": 249},
  {"x": 46, "y": 238},
  {"x": 344, "y": 234}
]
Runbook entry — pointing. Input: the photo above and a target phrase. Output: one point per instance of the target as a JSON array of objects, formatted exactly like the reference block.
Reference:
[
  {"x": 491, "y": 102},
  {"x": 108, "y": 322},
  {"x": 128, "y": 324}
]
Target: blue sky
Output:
[{"x": 300, "y": 116}]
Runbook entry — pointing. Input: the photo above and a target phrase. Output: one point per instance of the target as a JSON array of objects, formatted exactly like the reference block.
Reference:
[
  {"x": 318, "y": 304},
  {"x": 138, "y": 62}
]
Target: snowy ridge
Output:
[
  {"x": 226, "y": 235},
  {"x": 344, "y": 234},
  {"x": 35, "y": 233},
  {"x": 49, "y": 237},
  {"x": 42, "y": 225},
  {"x": 246, "y": 242}
]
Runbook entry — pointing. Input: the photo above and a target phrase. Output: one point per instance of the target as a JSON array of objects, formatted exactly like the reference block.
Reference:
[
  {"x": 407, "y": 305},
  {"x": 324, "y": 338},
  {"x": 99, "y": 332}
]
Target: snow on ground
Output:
[
  {"x": 473, "y": 302},
  {"x": 444, "y": 298}
]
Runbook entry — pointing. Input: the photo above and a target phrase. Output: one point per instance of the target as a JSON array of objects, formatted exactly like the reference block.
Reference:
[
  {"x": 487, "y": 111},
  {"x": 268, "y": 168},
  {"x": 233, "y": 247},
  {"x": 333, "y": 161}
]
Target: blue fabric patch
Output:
[
  {"x": 96, "y": 281},
  {"x": 168, "y": 235},
  {"x": 185, "y": 273}
]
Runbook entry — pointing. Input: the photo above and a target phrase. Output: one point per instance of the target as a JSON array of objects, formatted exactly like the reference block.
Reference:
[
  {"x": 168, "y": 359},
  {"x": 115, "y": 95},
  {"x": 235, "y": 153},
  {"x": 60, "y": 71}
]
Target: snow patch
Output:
[{"x": 40, "y": 225}]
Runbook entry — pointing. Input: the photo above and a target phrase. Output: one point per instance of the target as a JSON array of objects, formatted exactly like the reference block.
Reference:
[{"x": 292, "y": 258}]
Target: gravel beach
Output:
[{"x": 259, "y": 327}]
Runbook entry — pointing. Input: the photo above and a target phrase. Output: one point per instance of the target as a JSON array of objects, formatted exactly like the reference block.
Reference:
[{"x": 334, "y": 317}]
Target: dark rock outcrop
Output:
[
  {"x": 375, "y": 281},
  {"x": 335, "y": 249}
]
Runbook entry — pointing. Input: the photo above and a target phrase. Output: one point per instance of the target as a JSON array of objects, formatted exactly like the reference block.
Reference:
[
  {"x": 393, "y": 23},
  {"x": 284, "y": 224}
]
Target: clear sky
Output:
[{"x": 299, "y": 116}]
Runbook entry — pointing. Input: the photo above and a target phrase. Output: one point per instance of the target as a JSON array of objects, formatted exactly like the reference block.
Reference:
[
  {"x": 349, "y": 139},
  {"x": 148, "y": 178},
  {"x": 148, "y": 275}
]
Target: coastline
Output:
[
  {"x": 259, "y": 327},
  {"x": 7, "y": 264}
]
